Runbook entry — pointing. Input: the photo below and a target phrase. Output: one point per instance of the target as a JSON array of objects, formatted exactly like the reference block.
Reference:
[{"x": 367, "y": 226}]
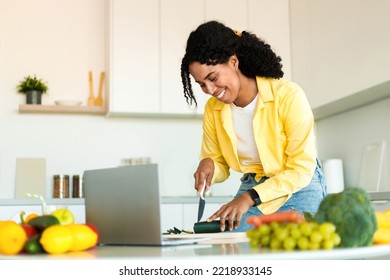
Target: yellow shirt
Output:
[{"x": 283, "y": 126}]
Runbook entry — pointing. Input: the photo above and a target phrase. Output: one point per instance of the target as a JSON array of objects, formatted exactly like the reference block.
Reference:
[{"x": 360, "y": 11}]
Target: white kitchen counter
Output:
[{"x": 216, "y": 249}]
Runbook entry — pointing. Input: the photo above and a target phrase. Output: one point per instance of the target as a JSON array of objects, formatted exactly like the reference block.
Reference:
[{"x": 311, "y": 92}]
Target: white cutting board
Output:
[
  {"x": 217, "y": 235},
  {"x": 215, "y": 238},
  {"x": 372, "y": 166}
]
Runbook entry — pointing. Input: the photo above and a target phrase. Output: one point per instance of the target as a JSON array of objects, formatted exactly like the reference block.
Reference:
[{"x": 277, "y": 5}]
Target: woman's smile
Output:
[{"x": 219, "y": 96}]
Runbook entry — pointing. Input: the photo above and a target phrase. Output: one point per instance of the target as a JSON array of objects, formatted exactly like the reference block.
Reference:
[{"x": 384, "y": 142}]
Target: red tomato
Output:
[{"x": 95, "y": 230}]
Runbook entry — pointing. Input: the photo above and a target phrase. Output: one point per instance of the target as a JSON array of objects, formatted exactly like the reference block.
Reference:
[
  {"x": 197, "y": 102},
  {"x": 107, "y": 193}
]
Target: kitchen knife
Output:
[{"x": 202, "y": 202}]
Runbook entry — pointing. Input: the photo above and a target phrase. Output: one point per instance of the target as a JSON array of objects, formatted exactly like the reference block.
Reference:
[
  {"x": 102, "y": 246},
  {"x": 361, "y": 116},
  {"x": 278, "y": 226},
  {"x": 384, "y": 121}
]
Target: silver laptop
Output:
[{"x": 124, "y": 204}]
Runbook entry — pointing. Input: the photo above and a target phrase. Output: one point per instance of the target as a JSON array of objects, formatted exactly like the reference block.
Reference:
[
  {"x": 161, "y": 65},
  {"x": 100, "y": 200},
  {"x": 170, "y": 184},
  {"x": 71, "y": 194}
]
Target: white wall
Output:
[
  {"x": 345, "y": 135},
  {"x": 61, "y": 41},
  {"x": 339, "y": 47}
]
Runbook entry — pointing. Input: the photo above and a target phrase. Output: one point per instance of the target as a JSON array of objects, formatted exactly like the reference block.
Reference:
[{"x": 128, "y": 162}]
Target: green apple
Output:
[{"x": 64, "y": 216}]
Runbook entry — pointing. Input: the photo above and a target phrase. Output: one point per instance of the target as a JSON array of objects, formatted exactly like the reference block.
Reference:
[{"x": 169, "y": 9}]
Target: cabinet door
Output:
[
  {"x": 233, "y": 13},
  {"x": 270, "y": 20},
  {"x": 340, "y": 48},
  {"x": 134, "y": 56},
  {"x": 171, "y": 216},
  {"x": 178, "y": 19}
]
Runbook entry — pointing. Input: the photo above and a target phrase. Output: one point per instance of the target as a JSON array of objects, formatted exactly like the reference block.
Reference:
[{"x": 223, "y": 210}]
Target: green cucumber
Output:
[
  {"x": 207, "y": 227},
  {"x": 32, "y": 246},
  {"x": 40, "y": 223}
]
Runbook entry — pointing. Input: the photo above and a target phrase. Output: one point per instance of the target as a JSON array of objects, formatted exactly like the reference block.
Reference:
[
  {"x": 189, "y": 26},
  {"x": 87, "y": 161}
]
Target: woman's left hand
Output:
[{"x": 232, "y": 212}]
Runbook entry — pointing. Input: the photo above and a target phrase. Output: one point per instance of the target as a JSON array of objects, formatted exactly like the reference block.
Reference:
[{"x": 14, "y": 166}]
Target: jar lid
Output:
[{"x": 61, "y": 176}]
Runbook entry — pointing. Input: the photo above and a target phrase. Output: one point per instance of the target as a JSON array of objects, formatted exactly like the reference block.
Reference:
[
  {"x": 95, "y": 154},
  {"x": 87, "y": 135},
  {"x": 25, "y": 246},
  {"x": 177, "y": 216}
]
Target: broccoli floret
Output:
[{"x": 353, "y": 215}]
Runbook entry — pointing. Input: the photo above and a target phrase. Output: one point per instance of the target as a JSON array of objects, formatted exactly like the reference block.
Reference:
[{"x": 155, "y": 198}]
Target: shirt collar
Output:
[{"x": 265, "y": 93}]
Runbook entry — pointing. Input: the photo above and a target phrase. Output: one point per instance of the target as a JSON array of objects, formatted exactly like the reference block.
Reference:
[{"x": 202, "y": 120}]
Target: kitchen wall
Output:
[
  {"x": 340, "y": 57},
  {"x": 345, "y": 135},
  {"x": 61, "y": 41}
]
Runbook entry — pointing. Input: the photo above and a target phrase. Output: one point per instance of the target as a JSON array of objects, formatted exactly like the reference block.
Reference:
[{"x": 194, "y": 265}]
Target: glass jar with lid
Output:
[{"x": 61, "y": 186}]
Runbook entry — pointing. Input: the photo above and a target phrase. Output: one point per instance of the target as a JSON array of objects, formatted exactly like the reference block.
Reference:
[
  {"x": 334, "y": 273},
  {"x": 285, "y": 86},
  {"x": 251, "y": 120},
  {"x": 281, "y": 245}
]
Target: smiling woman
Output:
[{"x": 255, "y": 122}]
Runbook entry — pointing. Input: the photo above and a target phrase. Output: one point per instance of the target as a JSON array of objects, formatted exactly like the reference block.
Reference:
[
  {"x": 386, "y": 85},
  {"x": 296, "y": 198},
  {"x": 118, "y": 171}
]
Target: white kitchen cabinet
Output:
[
  {"x": 270, "y": 20},
  {"x": 148, "y": 39},
  {"x": 147, "y": 42},
  {"x": 134, "y": 70},
  {"x": 340, "y": 48},
  {"x": 178, "y": 18},
  {"x": 233, "y": 13},
  {"x": 171, "y": 216}
]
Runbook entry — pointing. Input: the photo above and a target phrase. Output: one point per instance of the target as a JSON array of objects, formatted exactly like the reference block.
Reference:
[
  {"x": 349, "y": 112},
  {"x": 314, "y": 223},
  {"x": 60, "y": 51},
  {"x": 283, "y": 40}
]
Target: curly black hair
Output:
[{"x": 214, "y": 43}]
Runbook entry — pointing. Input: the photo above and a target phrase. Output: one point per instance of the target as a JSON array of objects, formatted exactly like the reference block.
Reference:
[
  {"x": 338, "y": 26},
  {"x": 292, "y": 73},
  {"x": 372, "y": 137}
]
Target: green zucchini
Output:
[{"x": 40, "y": 223}]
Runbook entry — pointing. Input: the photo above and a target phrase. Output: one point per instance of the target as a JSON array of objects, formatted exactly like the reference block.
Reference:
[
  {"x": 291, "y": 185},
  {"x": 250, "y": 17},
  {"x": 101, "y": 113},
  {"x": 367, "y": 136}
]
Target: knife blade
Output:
[{"x": 202, "y": 202}]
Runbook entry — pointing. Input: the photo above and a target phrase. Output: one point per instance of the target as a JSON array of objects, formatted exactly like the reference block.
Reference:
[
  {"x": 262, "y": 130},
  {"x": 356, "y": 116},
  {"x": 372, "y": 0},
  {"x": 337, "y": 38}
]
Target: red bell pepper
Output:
[
  {"x": 30, "y": 230},
  {"x": 95, "y": 230}
]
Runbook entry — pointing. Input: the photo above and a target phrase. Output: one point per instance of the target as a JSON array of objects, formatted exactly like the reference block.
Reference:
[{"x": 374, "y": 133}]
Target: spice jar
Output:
[
  {"x": 78, "y": 190},
  {"x": 61, "y": 186}
]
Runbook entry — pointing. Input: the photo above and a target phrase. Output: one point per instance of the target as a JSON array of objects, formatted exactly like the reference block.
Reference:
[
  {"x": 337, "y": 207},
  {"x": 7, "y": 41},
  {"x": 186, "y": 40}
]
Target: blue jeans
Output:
[{"x": 307, "y": 199}]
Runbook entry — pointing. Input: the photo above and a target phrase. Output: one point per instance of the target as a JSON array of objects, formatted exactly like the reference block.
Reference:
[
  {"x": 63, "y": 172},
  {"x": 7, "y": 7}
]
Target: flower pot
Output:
[{"x": 34, "y": 97}]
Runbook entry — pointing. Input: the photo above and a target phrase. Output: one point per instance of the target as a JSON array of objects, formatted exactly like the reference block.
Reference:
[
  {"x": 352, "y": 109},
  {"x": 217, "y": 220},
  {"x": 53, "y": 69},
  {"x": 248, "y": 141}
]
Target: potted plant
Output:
[{"x": 33, "y": 88}]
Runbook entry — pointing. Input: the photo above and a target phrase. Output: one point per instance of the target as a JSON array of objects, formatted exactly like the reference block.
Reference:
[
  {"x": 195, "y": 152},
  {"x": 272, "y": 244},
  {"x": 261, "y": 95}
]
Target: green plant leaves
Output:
[{"x": 32, "y": 83}]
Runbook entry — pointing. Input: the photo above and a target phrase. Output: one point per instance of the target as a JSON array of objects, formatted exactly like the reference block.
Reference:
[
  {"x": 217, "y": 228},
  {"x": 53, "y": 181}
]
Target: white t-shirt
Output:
[{"x": 243, "y": 126}]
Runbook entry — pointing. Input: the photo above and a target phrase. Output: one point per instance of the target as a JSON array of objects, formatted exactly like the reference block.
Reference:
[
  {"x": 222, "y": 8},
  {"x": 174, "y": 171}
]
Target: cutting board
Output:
[
  {"x": 215, "y": 238},
  {"x": 30, "y": 177},
  {"x": 217, "y": 235}
]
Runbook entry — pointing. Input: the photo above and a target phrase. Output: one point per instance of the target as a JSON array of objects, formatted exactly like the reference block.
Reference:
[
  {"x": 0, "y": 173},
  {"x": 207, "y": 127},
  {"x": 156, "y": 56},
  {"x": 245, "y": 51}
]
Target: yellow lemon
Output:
[
  {"x": 83, "y": 236},
  {"x": 57, "y": 239},
  {"x": 12, "y": 238},
  {"x": 382, "y": 236},
  {"x": 64, "y": 216}
]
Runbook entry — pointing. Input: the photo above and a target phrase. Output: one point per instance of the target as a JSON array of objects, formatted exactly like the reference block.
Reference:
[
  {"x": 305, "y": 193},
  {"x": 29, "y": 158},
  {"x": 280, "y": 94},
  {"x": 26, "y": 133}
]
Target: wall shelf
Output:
[{"x": 27, "y": 108}]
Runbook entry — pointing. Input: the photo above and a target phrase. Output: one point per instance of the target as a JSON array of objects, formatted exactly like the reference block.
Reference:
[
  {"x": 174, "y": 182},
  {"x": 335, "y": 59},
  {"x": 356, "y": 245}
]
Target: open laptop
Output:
[{"x": 124, "y": 204}]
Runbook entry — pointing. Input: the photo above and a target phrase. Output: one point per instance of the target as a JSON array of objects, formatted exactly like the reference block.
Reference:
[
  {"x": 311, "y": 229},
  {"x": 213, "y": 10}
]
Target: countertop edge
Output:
[
  {"x": 375, "y": 196},
  {"x": 81, "y": 201}
]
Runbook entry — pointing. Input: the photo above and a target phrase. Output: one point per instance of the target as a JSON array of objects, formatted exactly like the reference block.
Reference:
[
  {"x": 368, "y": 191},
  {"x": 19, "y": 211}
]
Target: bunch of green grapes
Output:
[{"x": 294, "y": 236}]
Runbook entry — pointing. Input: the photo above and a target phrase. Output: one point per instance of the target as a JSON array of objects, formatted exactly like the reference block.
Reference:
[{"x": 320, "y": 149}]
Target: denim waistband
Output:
[{"x": 251, "y": 177}]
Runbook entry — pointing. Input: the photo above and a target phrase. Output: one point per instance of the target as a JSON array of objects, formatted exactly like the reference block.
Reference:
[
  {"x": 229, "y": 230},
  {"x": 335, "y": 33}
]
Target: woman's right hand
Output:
[{"x": 205, "y": 171}]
